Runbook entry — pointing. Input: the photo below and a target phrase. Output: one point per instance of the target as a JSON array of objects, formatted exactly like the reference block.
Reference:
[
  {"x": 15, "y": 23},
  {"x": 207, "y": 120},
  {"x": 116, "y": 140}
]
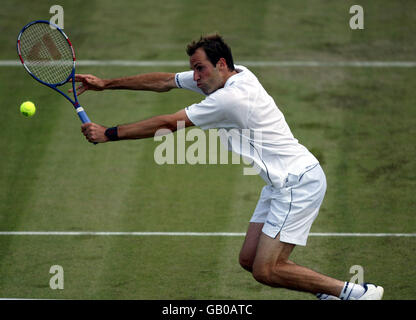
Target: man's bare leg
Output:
[
  {"x": 272, "y": 267},
  {"x": 268, "y": 260}
]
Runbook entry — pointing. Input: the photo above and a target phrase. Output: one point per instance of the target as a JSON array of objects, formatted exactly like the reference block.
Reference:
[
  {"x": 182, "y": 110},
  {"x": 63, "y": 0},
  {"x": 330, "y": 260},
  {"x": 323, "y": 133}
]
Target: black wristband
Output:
[{"x": 112, "y": 133}]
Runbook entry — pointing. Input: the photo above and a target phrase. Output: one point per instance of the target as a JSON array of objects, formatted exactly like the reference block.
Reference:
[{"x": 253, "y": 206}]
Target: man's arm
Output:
[
  {"x": 154, "y": 81},
  {"x": 139, "y": 130}
]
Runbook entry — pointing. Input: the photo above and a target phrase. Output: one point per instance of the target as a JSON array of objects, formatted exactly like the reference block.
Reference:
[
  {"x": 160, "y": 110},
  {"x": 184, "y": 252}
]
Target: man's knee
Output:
[
  {"x": 262, "y": 273},
  {"x": 268, "y": 274}
]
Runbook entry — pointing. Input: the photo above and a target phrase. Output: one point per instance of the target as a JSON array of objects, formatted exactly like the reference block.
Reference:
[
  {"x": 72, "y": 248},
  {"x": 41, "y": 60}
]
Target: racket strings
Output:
[{"x": 46, "y": 53}]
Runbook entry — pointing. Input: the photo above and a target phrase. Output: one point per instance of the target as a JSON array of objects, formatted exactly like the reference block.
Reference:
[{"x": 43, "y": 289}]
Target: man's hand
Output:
[
  {"x": 94, "y": 132},
  {"x": 88, "y": 82}
]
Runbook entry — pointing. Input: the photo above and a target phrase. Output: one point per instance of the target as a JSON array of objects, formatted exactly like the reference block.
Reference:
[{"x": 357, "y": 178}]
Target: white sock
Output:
[{"x": 351, "y": 291}]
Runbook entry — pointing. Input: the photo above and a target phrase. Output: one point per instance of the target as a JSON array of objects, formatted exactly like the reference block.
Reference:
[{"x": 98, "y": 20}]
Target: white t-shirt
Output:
[{"x": 244, "y": 109}]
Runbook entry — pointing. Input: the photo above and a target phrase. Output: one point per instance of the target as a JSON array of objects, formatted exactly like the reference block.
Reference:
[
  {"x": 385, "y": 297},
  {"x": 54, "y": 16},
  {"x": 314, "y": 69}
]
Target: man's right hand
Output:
[{"x": 88, "y": 82}]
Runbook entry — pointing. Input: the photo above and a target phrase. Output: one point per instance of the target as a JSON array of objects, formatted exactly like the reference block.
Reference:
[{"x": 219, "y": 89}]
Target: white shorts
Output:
[{"x": 291, "y": 209}]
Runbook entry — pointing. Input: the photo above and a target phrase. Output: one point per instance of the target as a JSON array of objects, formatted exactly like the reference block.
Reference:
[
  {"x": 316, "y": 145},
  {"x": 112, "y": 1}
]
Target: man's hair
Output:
[{"x": 214, "y": 47}]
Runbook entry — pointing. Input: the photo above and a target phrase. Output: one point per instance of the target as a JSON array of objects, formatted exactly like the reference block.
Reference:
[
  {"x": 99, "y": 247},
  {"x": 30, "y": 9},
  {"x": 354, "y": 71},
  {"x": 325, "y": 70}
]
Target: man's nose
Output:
[{"x": 196, "y": 76}]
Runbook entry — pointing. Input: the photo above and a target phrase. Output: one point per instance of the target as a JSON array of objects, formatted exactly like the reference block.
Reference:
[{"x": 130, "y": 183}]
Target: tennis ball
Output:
[{"x": 28, "y": 109}]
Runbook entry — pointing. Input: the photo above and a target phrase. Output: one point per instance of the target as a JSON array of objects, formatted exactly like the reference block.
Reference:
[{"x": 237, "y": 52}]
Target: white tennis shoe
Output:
[
  {"x": 323, "y": 296},
  {"x": 372, "y": 292}
]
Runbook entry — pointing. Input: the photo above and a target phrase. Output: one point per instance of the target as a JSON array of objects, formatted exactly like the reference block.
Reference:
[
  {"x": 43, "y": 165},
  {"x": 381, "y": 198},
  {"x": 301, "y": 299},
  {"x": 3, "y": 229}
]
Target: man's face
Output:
[{"x": 207, "y": 77}]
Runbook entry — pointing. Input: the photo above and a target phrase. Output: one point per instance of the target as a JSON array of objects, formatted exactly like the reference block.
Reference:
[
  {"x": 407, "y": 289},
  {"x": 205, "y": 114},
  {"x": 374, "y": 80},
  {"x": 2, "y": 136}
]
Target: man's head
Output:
[{"x": 212, "y": 62}]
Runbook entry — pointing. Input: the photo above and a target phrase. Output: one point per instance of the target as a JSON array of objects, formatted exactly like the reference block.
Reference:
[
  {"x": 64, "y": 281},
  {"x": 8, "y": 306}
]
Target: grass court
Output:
[{"x": 358, "y": 121}]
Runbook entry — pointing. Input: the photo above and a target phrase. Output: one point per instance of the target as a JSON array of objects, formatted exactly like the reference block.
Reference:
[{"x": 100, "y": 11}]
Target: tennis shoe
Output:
[
  {"x": 323, "y": 296},
  {"x": 372, "y": 292}
]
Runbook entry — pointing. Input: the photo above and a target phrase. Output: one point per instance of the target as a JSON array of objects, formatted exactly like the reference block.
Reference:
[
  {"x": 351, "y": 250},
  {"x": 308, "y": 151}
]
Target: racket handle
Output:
[{"x": 83, "y": 116}]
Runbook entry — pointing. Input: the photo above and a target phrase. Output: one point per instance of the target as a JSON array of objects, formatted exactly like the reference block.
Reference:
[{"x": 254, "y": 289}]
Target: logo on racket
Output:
[{"x": 37, "y": 53}]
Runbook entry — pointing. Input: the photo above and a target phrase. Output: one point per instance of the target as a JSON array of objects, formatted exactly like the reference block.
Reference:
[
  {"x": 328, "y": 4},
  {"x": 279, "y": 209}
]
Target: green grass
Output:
[{"x": 359, "y": 122}]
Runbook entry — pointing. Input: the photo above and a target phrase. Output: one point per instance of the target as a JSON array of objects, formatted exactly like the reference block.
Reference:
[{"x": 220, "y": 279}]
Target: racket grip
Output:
[{"x": 83, "y": 116}]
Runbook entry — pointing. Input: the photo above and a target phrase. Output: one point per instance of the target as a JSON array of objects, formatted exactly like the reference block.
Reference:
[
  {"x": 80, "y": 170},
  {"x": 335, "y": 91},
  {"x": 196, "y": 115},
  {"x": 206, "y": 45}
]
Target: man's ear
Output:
[{"x": 221, "y": 64}]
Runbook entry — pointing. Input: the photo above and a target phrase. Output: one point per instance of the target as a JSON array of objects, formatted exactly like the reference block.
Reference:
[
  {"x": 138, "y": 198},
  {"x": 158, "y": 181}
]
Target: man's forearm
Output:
[
  {"x": 138, "y": 130},
  {"x": 146, "y": 128},
  {"x": 155, "y": 81}
]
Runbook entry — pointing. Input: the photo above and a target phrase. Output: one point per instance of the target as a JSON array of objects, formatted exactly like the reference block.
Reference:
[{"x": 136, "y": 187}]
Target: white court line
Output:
[
  {"x": 188, "y": 234},
  {"x": 183, "y": 63}
]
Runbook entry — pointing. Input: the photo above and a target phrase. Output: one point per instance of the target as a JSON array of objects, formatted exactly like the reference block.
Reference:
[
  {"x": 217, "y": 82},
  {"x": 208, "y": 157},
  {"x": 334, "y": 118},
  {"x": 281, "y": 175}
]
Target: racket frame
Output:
[{"x": 80, "y": 111}]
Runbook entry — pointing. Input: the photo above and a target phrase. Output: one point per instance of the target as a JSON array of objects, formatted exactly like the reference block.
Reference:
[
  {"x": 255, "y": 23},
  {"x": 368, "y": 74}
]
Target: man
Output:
[{"x": 296, "y": 184}]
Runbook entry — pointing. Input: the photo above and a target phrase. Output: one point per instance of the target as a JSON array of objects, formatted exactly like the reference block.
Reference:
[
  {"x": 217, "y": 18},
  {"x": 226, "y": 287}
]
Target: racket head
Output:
[{"x": 46, "y": 52}]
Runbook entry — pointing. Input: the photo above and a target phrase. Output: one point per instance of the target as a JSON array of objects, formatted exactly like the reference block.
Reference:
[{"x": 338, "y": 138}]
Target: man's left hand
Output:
[{"x": 94, "y": 132}]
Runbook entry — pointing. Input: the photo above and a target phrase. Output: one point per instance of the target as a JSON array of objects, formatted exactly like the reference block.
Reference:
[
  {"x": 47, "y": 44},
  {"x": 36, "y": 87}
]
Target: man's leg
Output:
[
  {"x": 248, "y": 251},
  {"x": 271, "y": 266}
]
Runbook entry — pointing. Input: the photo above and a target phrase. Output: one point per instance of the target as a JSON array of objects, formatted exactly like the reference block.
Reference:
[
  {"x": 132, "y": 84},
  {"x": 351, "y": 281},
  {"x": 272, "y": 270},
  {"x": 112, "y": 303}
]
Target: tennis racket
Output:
[{"x": 47, "y": 54}]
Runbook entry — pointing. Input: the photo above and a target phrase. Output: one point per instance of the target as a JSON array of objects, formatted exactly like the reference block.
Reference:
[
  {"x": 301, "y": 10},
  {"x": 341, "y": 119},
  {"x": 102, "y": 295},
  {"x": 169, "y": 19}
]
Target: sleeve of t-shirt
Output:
[
  {"x": 218, "y": 110},
  {"x": 185, "y": 80}
]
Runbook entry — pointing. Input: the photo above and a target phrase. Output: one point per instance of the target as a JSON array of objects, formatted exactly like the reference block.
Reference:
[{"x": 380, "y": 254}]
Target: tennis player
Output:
[{"x": 295, "y": 182}]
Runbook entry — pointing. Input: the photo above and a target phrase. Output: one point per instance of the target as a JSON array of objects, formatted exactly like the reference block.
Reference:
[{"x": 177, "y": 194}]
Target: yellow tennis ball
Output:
[{"x": 28, "y": 109}]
